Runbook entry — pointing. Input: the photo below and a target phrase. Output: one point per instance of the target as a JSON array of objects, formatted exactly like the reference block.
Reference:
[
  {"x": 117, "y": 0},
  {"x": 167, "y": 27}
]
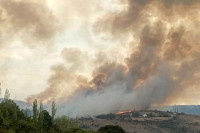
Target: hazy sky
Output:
[{"x": 97, "y": 49}]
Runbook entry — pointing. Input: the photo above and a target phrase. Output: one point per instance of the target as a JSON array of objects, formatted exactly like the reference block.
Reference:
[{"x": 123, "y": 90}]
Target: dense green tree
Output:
[
  {"x": 111, "y": 129},
  {"x": 26, "y": 126},
  {"x": 46, "y": 120},
  {"x": 64, "y": 124},
  {"x": 35, "y": 111},
  {"x": 41, "y": 107},
  {"x": 78, "y": 130},
  {"x": 7, "y": 94},
  {"x": 27, "y": 113},
  {"x": 10, "y": 114},
  {"x": 53, "y": 110},
  {"x": 14, "y": 120},
  {"x": 41, "y": 118}
]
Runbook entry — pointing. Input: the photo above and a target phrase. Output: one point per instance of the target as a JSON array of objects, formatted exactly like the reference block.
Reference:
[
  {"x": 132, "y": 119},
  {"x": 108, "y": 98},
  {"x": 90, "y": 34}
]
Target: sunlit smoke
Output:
[{"x": 160, "y": 67}]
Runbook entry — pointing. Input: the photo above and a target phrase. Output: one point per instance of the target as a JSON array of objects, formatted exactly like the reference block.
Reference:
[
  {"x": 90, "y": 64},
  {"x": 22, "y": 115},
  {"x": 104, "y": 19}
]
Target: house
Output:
[{"x": 144, "y": 115}]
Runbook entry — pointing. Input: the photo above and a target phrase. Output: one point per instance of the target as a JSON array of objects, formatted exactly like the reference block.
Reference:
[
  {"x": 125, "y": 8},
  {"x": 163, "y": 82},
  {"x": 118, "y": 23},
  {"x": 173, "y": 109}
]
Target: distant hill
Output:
[
  {"x": 21, "y": 104},
  {"x": 187, "y": 109},
  {"x": 146, "y": 121}
]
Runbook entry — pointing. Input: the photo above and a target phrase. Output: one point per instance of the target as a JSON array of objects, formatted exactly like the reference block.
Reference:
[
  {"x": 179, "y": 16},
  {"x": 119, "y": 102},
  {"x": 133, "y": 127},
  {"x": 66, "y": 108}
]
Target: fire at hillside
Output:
[
  {"x": 144, "y": 121},
  {"x": 138, "y": 115}
]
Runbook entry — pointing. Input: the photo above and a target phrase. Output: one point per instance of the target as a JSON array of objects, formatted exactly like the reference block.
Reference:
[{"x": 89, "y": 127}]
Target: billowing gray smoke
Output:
[
  {"x": 29, "y": 21},
  {"x": 162, "y": 68}
]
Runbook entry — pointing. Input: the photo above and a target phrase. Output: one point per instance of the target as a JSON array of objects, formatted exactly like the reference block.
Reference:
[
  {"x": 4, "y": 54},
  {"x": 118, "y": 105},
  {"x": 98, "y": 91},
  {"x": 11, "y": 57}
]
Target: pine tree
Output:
[
  {"x": 53, "y": 110},
  {"x": 41, "y": 117},
  {"x": 41, "y": 107},
  {"x": 7, "y": 94},
  {"x": 35, "y": 111}
]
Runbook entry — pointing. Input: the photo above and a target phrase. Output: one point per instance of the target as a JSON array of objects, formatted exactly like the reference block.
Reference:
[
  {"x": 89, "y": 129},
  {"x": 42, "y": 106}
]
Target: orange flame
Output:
[{"x": 123, "y": 112}]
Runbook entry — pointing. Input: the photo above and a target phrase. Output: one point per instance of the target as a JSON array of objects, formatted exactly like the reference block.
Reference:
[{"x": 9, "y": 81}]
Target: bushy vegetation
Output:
[
  {"x": 111, "y": 129},
  {"x": 170, "y": 124},
  {"x": 135, "y": 114},
  {"x": 14, "y": 120},
  {"x": 107, "y": 116}
]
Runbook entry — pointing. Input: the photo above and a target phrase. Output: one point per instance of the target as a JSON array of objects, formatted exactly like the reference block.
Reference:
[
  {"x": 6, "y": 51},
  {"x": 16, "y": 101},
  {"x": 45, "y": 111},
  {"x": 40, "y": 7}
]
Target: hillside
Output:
[
  {"x": 21, "y": 104},
  {"x": 187, "y": 109},
  {"x": 146, "y": 122}
]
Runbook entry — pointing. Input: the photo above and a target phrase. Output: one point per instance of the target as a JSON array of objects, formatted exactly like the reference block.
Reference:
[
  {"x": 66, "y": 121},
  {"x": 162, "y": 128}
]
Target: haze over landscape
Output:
[{"x": 98, "y": 56}]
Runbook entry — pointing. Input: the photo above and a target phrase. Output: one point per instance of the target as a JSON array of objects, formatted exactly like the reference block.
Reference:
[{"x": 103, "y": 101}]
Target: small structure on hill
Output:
[{"x": 144, "y": 115}]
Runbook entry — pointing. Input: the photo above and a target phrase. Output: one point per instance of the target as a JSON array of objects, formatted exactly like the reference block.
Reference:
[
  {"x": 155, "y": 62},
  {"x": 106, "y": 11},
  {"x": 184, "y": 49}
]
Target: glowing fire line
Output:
[{"x": 123, "y": 112}]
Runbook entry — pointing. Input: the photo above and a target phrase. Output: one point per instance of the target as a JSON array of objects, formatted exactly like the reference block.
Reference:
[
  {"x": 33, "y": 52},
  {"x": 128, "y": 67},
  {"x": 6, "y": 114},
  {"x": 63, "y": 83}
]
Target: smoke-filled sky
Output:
[{"x": 98, "y": 56}]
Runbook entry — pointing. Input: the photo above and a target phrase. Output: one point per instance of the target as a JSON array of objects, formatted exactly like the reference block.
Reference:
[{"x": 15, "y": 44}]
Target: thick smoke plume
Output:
[
  {"x": 30, "y": 21},
  {"x": 162, "y": 68}
]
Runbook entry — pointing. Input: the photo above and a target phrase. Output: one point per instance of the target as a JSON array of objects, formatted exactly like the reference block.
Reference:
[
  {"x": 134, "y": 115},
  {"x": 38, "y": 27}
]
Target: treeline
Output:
[{"x": 15, "y": 120}]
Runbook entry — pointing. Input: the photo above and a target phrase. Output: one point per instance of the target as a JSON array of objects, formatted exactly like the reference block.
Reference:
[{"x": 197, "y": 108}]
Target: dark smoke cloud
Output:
[
  {"x": 160, "y": 40},
  {"x": 31, "y": 21},
  {"x": 162, "y": 68}
]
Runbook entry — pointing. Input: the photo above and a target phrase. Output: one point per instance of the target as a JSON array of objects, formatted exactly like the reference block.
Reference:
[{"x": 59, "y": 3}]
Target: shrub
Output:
[{"x": 111, "y": 129}]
